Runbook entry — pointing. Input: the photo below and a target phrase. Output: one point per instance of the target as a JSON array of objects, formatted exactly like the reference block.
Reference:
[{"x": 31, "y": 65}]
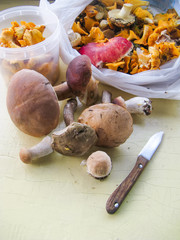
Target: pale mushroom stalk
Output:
[
  {"x": 91, "y": 94},
  {"x": 42, "y": 149},
  {"x": 135, "y": 105},
  {"x": 125, "y": 11}
]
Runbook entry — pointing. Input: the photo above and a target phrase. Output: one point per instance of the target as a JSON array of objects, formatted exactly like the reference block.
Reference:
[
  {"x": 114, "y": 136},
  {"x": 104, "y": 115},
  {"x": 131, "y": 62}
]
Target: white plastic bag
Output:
[{"x": 163, "y": 83}]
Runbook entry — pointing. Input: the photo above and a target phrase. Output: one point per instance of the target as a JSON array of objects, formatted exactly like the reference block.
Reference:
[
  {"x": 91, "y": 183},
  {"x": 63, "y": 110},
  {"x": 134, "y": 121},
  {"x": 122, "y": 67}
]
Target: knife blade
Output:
[{"x": 117, "y": 197}]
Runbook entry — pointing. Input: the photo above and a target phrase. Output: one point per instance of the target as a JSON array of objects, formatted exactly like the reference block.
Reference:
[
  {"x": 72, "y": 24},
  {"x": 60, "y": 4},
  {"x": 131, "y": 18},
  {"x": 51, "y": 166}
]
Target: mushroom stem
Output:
[
  {"x": 125, "y": 10},
  {"x": 69, "y": 110},
  {"x": 136, "y": 105},
  {"x": 139, "y": 105},
  {"x": 40, "y": 150},
  {"x": 90, "y": 96},
  {"x": 106, "y": 97},
  {"x": 63, "y": 91}
]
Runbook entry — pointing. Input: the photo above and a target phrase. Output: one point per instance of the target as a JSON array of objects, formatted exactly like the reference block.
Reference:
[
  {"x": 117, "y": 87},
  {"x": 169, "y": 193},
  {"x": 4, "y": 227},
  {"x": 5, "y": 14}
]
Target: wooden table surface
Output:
[{"x": 56, "y": 199}]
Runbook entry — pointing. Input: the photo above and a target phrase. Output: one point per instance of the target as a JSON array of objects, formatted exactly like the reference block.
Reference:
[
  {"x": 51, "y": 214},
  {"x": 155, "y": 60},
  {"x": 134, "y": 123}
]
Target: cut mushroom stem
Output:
[
  {"x": 136, "y": 105},
  {"x": 40, "y": 150}
]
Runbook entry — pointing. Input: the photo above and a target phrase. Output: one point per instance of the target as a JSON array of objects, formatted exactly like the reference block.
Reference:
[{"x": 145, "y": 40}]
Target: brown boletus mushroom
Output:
[
  {"x": 32, "y": 102},
  {"x": 113, "y": 123},
  {"x": 74, "y": 140}
]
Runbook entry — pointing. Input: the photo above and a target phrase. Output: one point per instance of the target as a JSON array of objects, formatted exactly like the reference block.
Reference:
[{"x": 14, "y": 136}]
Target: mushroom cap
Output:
[
  {"x": 74, "y": 140},
  {"x": 99, "y": 164},
  {"x": 32, "y": 103},
  {"x": 113, "y": 124},
  {"x": 78, "y": 74}
]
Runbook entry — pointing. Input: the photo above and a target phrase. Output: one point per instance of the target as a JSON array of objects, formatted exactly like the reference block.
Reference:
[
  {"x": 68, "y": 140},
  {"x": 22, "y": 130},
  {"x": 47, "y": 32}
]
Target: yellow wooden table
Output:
[{"x": 57, "y": 200}]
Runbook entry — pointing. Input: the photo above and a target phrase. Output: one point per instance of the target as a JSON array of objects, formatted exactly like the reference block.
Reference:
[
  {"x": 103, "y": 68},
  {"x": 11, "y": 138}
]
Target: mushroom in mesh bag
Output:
[{"x": 134, "y": 45}]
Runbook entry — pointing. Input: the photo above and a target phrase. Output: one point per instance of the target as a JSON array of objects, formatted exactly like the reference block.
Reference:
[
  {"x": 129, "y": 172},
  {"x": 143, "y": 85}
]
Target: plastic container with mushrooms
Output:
[{"x": 41, "y": 56}]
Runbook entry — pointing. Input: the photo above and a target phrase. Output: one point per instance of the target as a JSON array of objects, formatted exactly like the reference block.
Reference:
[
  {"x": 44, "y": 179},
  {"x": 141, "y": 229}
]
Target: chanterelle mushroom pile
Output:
[{"x": 116, "y": 24}]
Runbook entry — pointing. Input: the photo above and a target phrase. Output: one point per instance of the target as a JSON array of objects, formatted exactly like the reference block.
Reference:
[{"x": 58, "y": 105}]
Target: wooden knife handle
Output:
[{"x": 117, "y": 197}]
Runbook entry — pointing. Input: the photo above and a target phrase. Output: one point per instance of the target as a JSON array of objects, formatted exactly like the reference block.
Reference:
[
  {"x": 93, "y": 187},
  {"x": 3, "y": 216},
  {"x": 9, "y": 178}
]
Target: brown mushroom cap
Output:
[
  {"x": 113, "y": 124},
  {"x": 32, "y": 103},
  {"x": 99, "y": 164}
]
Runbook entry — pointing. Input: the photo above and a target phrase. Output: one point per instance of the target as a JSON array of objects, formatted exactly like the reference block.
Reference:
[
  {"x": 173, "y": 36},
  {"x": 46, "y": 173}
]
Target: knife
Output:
[{"x": 117, "y": 197}]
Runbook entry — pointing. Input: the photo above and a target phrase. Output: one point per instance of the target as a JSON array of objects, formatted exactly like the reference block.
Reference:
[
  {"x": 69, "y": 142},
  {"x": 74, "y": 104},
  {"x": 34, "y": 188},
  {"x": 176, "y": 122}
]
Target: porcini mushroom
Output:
[
  {"x": 99, "y": 164},
  {"x": 135, "y": 105},
  {"x": 113, "y": 123},
  {"x": 122, "y": 17},
  {"x": 76, "y": 139},
  {"x": 32, "y": 102}
]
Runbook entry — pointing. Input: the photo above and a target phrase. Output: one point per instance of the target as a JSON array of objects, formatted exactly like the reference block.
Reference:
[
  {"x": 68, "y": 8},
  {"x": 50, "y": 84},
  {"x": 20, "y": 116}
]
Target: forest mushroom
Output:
[
  {"x": 135, "y": 105},
  {"x": 32, "y": 102},
  {"x": 42, "y": 149},
  {"x": 113, "y": 123},
  {"x": 78, "y": 75},
  {"x": 122, "y": 17},
  {"x": 99, "y": 164},
  {"x": 76, "y": 139}
]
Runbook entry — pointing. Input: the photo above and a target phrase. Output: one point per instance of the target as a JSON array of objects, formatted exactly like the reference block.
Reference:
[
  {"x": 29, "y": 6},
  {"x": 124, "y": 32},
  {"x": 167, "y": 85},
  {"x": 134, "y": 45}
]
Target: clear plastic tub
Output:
[{"x": 42, "y": 57}]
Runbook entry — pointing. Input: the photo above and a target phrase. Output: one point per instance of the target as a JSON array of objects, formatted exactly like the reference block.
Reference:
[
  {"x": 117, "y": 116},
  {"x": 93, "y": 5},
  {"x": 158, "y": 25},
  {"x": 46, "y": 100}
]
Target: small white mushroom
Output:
[
  {"x": 99, "y": 164},
  {"x": 136, "y": 105},
  {"x": 122, "y": 17},
  {"x": 74, "y": 38}
]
